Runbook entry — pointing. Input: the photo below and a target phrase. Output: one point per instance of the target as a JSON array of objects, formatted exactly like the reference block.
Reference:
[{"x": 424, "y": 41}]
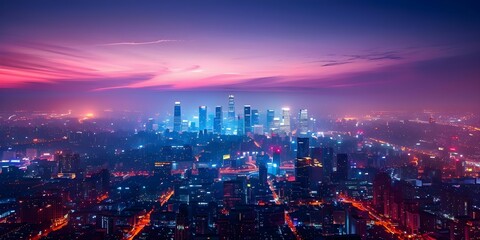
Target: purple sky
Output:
[{"x": 367, "y": 55}]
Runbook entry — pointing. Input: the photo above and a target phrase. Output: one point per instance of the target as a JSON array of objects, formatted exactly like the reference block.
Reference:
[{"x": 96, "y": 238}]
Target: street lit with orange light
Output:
[
  {"x": 278, "y": 201},
  {"x": 378, "y": 220},
  {"x": 58, "y": 224}
]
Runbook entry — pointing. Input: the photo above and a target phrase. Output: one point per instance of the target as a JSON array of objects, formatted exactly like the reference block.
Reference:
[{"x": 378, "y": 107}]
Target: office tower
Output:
[
  {"x": 327, "y": 161},
  {"x": 302, "y": 169},
  {"x": 240, "y": 126},
  {"x": 303, "y": 147},
  {"x": 217, "y": 121},
  {"x": 262, "y": 174},
  {"x": 162, "y": 171},
  {"x": 381, "y": 185},
  {"x": 342, "y": 167},
  {"x": 240, "y": 223},
  {"x": 202, "y": 118},
  {"x": 270, "y": 117},
  {"x": 149, "y": 125},
  {"x": 67, "y": 161},
  {"x": 258, "y": 129},
  {"x": 184, "y": 127},
  {"x": 177, "y": 117},
  {"x": 247, "y": 119},
  {"x": 234, "y": 193},
  {"x": 303, "y": 121},
  {"x": 276, "y": 156},
  {"x": 182, "y": 229},
  {"x": 285, "y": 124},
  {"x": 231, "y": 114},
  {"x": 255, "y": 118},
  {"x": 316, "y": 173}
]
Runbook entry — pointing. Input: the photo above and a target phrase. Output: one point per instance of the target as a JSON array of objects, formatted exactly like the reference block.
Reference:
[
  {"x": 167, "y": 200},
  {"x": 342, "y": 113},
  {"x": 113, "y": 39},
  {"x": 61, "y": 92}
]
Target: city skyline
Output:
[{"x": 346, "y": 57}]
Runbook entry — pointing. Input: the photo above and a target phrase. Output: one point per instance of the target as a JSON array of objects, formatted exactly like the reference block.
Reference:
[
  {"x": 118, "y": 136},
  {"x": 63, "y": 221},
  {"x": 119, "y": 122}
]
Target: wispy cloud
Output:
[{"x": 141, "y": 43}]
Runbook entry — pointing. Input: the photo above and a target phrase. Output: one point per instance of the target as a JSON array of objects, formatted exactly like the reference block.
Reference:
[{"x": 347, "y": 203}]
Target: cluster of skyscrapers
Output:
[{"x": 243, "y": 123}]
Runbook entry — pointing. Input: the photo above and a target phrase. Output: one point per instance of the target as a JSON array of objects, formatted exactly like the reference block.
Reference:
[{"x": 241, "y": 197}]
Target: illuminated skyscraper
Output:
[
  {"x": 231, "y": 115},
  {"x": 247, "y": 116},
  {"x": 303, "y": 121},
  {"x": 303, "y": 147},
  {"x": 255, "y": 118},
  {"x": 177, "y": 117},
  {"x": 202, "y": 118},
  {"x": 302, "y": 169},
  {"x": 285, "y": 125},
  {"x": 217, "y": 121},
  {"x": 270, "y": 117}
]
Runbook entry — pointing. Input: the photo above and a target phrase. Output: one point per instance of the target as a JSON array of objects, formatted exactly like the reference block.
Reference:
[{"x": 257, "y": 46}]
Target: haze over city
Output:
[{"x": 346, "y": 56}]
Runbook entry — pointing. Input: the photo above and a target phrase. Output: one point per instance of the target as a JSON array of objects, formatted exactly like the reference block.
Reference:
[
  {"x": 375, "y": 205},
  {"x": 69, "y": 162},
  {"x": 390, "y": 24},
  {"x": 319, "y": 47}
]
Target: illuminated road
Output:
[
  {"x": 145, "y": 220},
  {"x": 288, "y": 219},
  {"x": 379, "y": 220},
  {"x": 57, "y": 225},
  {"x": 165, "y": 197}
]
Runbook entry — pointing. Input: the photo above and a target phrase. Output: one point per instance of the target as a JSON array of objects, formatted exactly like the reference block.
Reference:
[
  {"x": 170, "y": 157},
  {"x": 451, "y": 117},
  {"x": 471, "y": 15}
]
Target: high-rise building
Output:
[
  {"x": 262, "y": 174},
  {"x": 270, "y": 117},
  {"x": 276, "y": 156},
  {"x": 327, "y": 161},
  {"x": 381, "y": 185},
  {"x": 255, "y": 117},
  {"x": 302, "y": 169},
  {"x": 285, "y": 124},
  {"x": 303, "y": 121},
  {"x": 177, "y": 117},
  {"x": 234, "y": 193},
  {"x": 240, "y": 126},
  {"x": 67, "y": 161},
  {"x": 303, "y": 147},
  {"x": 182, "y": 228},
  {"x": 231, "y": 115},
  {"x": 247, "y": 116},
  {"x": 162, "y": 170},
  {"x": 342, "y": 167},
  {"x": 149, "y": 125},
  {"x": 218, "y": 120},
  {"x": 202, "y": 118}
]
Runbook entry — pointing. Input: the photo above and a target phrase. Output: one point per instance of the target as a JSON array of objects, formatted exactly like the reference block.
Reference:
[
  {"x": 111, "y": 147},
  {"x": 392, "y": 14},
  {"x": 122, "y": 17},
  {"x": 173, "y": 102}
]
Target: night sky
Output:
[{"x": 325, "y": 55}]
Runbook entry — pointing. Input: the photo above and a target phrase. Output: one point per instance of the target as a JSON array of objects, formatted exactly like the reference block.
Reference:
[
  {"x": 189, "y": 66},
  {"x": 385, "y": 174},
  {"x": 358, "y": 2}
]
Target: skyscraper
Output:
[
  {"x": 285, "y": 125},
  {"x": 247, "y": 116},
  {"x": 231, "y": 115},
  {"x": 177, "y": 117},
  {"x": 182, "y": 228},
  {"x": 217, "y": 121},
  {"x": 262, "y": 174},
  {"x": 255, "y": 118},
  {"x": 202, "y": 118},
  {"x": 303, "y": 147},
  {"x": 234, "y": 193},
  {"x": 303, "y": 121},
  {"x": 302, "y": 169},
  {"x": 342, "y": 167},
  {"x": 276, "y": 156},
  {"x": 327, "y": 161},
  {"x": 270, "y": 117}
]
